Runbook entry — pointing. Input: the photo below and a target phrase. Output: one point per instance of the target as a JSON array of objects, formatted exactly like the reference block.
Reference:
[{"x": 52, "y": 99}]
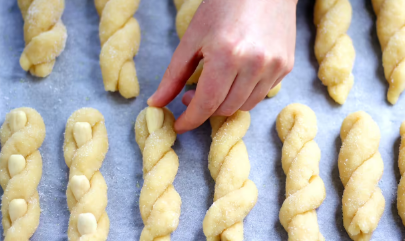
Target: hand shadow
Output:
[
  {"x": 394, "y": 209},
  {"x": 339, "y": 188},
  {"x": 281, "y": 178}
]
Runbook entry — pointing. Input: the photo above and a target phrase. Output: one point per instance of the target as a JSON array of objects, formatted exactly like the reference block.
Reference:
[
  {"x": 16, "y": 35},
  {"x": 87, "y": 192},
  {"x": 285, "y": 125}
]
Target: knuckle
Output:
[
  {"x": 209, "y": 105},
  {"x": 226, "y": 111},
  {"x": 257, "y": 60},
  {"x": 290, "y": 66},
  {"x": 280, "y": 63}
]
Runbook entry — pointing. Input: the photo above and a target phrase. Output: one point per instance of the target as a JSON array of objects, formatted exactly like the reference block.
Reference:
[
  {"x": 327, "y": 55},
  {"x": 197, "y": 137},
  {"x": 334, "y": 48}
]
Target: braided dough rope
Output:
[
  {"x": 391, "y": 33},
  {"x": 44, "y": 34},
  {"x": 185, "y": 13},
  {"x": 120, "y": 37},
  {"x": 21, "y": 135},
  {"x": 235, "y": 195},
  {"x": 360, "y": 168},
  {"x": 85, "y": 147},
  {"x": 159, "y": 202},
  {"x": 305, "y": 190},
  {"x": 333, "y": 47},
  {"x": 401, "y": 165}
]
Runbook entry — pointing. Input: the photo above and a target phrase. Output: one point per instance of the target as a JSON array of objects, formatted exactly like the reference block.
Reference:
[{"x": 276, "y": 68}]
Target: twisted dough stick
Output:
[
  {"x": 120, "y": 37},
  {"x": 360, "y": 168},
  {"x": 159, "y": 202},
  {"x": 305, "y": 190},
  {"x": 20, "y": 172},
  {"x": 44, "y": 34},
  {"x": 186, "y": 10},
  {"x": 85, "y": 147},
  {"x": 333, "y": 47},
  {"x": 401, "y": 165},
  {"x": 235, "y": 195},
  {"x": 391, "y": 33}
]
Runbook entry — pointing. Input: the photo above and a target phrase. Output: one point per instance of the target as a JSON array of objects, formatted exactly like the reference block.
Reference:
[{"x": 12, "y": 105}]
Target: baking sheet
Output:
[{"x": 76, "y": 82}]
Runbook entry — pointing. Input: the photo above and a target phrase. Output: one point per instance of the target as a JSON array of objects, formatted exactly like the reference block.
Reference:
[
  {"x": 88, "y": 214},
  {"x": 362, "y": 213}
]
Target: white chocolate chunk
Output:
[
  {"x": 86, "y": 223},
  {"x": 154, "y": 118},
  {"x": 82, "y": 133},
  {"x": 17, "y": 120},
  {"x": 17, "y": 208},
  {"x": 16, "y": 163},
  {"x": 79, "y": 185}
]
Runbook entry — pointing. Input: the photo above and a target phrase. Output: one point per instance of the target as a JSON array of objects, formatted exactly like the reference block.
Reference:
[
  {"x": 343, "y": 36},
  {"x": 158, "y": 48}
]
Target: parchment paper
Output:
[{"x": 76, "y": 82}]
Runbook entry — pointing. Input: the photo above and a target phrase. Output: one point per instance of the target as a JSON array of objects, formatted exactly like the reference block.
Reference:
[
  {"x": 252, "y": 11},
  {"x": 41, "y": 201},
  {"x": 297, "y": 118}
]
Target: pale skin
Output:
[{"x": 248, "y": 48}]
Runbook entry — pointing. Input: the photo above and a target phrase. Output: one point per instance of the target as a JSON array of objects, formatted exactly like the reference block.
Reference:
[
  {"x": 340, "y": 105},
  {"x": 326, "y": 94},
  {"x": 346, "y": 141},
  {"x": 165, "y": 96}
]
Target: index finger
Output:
[{"x": 213, "y": 87}]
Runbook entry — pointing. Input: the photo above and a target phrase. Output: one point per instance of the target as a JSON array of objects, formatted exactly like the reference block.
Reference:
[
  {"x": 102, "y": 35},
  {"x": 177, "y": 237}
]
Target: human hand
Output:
[{"x": 248, "y": 48}]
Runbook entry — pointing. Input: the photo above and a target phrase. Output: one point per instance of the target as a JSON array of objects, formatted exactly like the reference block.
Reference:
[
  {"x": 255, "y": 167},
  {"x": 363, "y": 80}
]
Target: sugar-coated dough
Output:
[
  {"x": 21, "y": 135},
  {"x": 401, "y": 165},
  {"x": 333, "y": 47},
  {"x": 120, "y": 37},
  {"x": 360, "y": 168},
  {"x": 44, "y": 34},
  {"x": 235, "y": 195},
  {"x": 391, "y": 33},
  {"x": 305, "y": 190},
  {"x": 273, "y": 92},
  {"x": 159, "y": 202},
  {"x": 84, "y": 158}
]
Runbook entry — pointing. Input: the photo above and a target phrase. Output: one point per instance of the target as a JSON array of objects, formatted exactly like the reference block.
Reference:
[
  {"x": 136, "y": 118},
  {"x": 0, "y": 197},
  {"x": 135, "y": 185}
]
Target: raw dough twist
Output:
[
  {"x": 333, "y": 47},
  {"x": 360, "y": 168},
  {"x": 401, "y": 165},
  {"x": 120, "y": 37},
  {"x": 185, "y": 13},
  {"x": 44, "y": 34},
  {"x": 391, "y": 33},
  {"x": 305, "y": 190},
  {"x": 159, "y": 202},
  {"x": 85, "y": 147},
  {"x": 235, "y": 195},
  {"x": 21, "y": 135}
]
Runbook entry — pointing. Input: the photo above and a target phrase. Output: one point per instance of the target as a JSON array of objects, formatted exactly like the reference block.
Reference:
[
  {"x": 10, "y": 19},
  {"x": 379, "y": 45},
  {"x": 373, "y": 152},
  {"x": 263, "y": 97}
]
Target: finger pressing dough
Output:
[
  {"x": 185, "y": 13},
  {"x": 360, "y": 168},
  {"x": 120, "y": 37},
  {"x": 159, "y": 202},
  {"x": 44, "y": 34},
  {"x": 21, "y": 135},
  {"x": 333, "y": 47},
  {"x": 391, "y": 33},
  {"x": 235, "y": 195},
  {"x": 401, "y": 186},
  {"x": 85, "y": 147},
  {"x": 305, "y": 190}
]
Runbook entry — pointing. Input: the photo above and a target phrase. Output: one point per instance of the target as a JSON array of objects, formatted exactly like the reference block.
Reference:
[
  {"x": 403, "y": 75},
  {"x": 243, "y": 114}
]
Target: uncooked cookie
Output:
[
  {"x": 273, "y": 92},
  {"x": 305, "y": 190},
  {"x": 85, "y": 147},
  {"x": 21, "y": 135},
  {"x": 235, "y": 195},
  {"x": 333, "y": 47},
  {"x": 391, "y": 33},
  {"x": 44, "y": 34},
  {"x": 120, "y": 37},
  {"x": 159, "y": 202},
  {"x": 360, "y": 168}
]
